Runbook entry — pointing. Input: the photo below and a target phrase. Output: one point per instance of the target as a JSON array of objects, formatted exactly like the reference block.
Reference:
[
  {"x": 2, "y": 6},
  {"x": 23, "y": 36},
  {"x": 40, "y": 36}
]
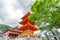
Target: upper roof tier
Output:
[
  {"x": 25, "y": 16},
  {"x": 25, "y": 21}
]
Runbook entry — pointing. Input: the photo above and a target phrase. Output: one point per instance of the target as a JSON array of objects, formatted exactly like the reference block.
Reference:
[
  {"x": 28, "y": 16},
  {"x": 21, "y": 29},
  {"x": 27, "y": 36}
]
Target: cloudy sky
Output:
[{"x": 12, "y": 10}]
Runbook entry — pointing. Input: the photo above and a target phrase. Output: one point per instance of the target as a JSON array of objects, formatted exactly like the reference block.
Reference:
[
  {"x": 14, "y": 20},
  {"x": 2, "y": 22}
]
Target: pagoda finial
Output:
[{"x": 25, "y": 16}]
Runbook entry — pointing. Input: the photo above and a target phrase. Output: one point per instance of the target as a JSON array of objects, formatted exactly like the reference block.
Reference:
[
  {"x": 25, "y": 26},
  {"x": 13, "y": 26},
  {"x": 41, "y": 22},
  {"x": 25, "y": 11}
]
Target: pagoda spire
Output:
[
  {"x": 25, "y": 20},
  {"x": 25, "y": 16}
]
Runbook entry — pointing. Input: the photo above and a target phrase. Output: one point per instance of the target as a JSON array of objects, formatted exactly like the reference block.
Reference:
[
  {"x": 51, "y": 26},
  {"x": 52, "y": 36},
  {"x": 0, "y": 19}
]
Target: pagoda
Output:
[{"x": 28, "y": 27}]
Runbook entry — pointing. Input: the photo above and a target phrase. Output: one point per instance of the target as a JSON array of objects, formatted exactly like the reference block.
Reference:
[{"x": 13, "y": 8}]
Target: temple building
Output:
[
  {"x": 12, "y": 32},
  {"x": 28, "y": 27}
]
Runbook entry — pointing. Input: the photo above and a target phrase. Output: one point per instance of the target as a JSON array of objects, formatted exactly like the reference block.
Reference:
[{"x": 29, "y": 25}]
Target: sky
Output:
[{"x": 12, "y": 10}]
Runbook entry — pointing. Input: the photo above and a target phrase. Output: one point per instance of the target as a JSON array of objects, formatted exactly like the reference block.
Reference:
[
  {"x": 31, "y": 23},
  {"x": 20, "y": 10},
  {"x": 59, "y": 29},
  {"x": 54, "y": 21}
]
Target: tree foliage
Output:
[
  {"x": 47, "y": 11},
  {"x": 4, "y": 27}
]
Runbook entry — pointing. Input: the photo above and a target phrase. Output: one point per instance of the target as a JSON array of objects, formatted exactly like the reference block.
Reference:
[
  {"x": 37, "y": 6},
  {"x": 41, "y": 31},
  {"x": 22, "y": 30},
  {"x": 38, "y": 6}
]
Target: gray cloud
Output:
[{"x": 3, "y": 14}]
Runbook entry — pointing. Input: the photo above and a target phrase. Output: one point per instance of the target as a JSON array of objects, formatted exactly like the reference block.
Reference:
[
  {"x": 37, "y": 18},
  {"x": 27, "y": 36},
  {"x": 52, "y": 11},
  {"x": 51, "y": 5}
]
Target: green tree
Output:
[
  {"x": 46, "y": 11},
  {"x": 4, "y": 27}
]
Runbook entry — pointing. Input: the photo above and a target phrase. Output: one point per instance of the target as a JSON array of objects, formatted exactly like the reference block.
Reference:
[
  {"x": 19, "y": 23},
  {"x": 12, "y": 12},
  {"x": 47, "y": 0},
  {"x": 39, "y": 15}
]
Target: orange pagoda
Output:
[{"x": 28, "y": 27}]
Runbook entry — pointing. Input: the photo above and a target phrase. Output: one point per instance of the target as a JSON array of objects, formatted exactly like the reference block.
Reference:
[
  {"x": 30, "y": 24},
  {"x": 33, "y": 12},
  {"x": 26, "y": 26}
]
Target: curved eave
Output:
[{"x": 28, "y": 26}]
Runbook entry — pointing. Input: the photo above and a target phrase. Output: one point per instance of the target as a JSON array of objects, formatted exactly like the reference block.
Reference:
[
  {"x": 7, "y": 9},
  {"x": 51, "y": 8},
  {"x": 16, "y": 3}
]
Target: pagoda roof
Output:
[
  {"x": 12, "y": 31},
  {"x": 25, "y": 16},
  {"x": 28, "y": 26},
  {"x": 25, "y": 21}
]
